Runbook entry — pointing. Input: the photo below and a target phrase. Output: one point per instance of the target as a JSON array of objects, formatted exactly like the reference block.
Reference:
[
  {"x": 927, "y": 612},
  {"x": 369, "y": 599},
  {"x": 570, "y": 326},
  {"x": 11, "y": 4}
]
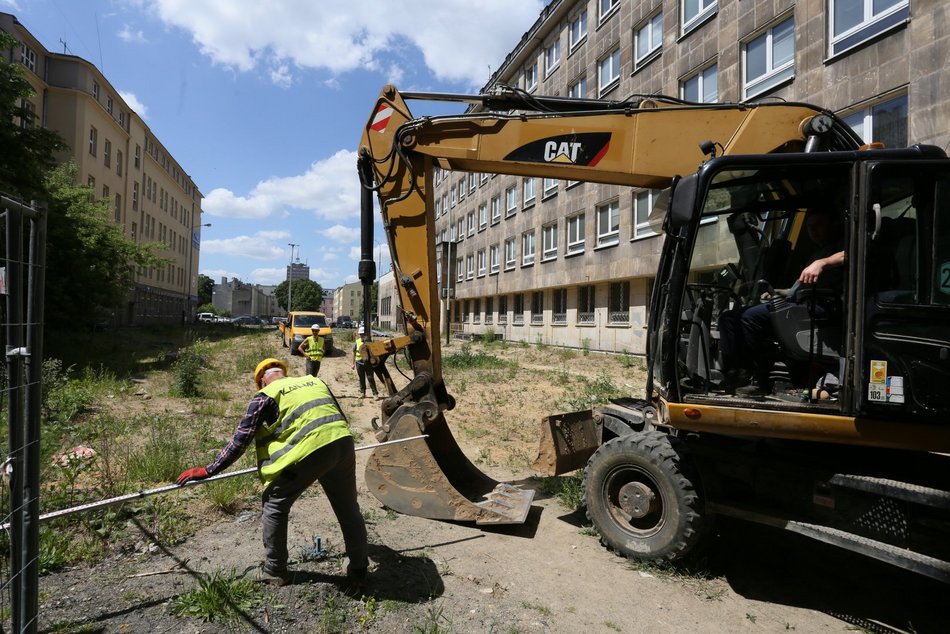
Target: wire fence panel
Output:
[{"x": 21, "y": 288}]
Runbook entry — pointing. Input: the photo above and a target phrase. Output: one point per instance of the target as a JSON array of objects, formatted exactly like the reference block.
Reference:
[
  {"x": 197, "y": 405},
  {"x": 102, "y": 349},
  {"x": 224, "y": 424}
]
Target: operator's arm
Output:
[
  {"x": 302, "y": 348},
  {"x": 262, "y": 409},
  {"x": 812, "y": 272}
]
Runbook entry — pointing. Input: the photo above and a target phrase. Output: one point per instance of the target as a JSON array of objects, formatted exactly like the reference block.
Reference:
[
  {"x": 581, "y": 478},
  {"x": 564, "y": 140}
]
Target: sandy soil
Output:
[{"x": 549, "y": 575}]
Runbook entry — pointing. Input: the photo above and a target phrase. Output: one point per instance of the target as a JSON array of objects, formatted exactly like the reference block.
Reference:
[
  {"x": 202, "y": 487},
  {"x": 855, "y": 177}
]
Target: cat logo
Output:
[{"x": 584, "y": 149}]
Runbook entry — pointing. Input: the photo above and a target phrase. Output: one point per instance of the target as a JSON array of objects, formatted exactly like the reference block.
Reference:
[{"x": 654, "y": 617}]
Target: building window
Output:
[
  {"x": 460, "y": 229},
  {"x": 477, "y": 310},
  {"x": 575, "y": 234},
  {"x": 585, "y": 305},
  {"x": 608, "y": 72},
  {"x": 466, "y": 307},
  {"x": 454, "y": 197},
  {"x": 552, "y": 57},
  {"x": 608, "y": 224},
  {"x": 482, "y": 216},
  {"x": 694, "y": 12},
  {"x": 619, "y": 309},
  {"x": 489, "y": 310},
  {"x": 138, "y": 156},
  {"x": 503, "y": 309},
  {"x": 472, "y": 182},
  {"x": 93, "y": 140},
  {"x": 511, "y": 254},
  {"x": 702, "y": 87},
  {"x": 647, "y": 40},
  {"x": 537, "y": 308},
  {"x": 885, "y": 121},
  {"x": 471, "y": 223},
  {"x": 482, "y": 266},
  {"x": 459, "y": 270},
  {"x": 559, "y": 306},
  {"x": 135, "y": 195},
  {"x": 606, "y": 8},
  {"x": 511, "y": 200},
  {"x": 578, "y": 90},
  {"x": 95, "y": 90},
  {"x": 118, "y": 207},
  {"x": 519, "y": 309},
  {"x": 769, "y": 59},
  {"x": 527, "y": 248},
  {"x": 109, "y": 105},
  {"x": 470, "y": 267},
  {"x": 549, "y": 187},
  {"x": 528, "y": 192},
  {"x": 28, "y": 57},
  {"x": 549, "y": 242},
  {"x": 107, "y": 153},
  {"x": 495, "y": 209},
  {"x": 29, "y": 116},
  {"x": 578, "y": 30},
  {"x": 853, "y": 22},
  {"x": 461, "y": 188},
  {"x": 119, "y": 156},
  {"x": 531, "y": 76},
  {"x": 493, "y": 258},
  {"x": 643, "y": 202}
]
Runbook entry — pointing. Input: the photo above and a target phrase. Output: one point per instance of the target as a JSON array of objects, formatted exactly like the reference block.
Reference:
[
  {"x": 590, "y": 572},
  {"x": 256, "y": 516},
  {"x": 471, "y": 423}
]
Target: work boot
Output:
[{"x": 274, "y": 577}]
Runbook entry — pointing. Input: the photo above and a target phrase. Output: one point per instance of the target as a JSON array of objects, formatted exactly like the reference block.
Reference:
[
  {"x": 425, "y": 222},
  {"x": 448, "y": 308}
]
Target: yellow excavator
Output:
[{"x": 820, "y": 408}]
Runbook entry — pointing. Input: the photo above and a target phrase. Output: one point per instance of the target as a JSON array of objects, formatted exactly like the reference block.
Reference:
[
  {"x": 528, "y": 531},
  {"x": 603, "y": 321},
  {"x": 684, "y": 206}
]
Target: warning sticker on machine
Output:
[
  {"x": 890, "y": 390},
  {"x": 878, "y": 371}
]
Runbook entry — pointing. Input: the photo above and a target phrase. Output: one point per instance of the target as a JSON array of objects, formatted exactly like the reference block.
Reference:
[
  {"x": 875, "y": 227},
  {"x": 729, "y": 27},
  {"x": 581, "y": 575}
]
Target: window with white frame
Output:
[
  {"x": 511, "y": 253},
  {"x": 503, "y": 309},
  {"x": 28, "y": 57},
  {"x": 694, "y": 12},
  {"x": 527, "y": 248},
  {"x": 549, "y": 241},
  {"x": 853, "y": 22},
  {"x": 482, "y": 263},
  {"x": 552, "y": 57},
  {"x": 578, "y": 30},
  {"x": 482, "y": 216},
  {"x": 459, "y": 270},
  {"x": 647, "y": 40},
  {"x": 511, "y": 200},
  {"x": 493, "y": 259},
  {"x": 578, "y": 90},
  {"x": 471, "y": 223},
  {"x": 445, "y": 203},
  {"x": 531, "y": 76},
  {"x": 585, "y": 305},
  {"x": 109, "y": 105},
  {"x": 575, "y": 234},
  {"x": 461, "y": 188},
  {"x": 608, "y": 72},
  {"x": 528, "y": 187},
  {"x": 460, "y": 230},
  {"x": 608, "y": 223},
  {"x": 702, "y": 87},
  {"x": 643, "y": 202},
  {"x": 559, "y": 306},
  {"x": 93, "y": 140},
  {"x": 884, "y": 121},
  {"x": 769, "y": 59},
  {"x": 549, "y": 187},
  {"x": 495, "y": 209},
  {"x": 469, "y": 267},
  {"x": 483, "y": 178},
  {"x": 537, "y": 307},
  {"x": 472, "y": 182},
  {"x": 95, "y": 90},
  {"x": 619, "y": 308},
  {"x": 453, "y": 197},
  {"x": 438, "y": 207},
  {"x": 606, "y": 7},
  {"x": 107, "y": 153}
]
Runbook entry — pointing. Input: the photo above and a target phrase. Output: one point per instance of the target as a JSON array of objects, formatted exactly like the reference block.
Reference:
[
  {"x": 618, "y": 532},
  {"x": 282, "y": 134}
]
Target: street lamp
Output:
[{"x": 290, "y": 276}]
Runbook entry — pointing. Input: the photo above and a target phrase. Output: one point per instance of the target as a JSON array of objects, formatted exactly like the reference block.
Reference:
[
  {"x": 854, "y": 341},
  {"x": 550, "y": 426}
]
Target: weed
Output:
[
  {"x": 333, "y": 615},
  {"x": 613, "y": 626},
  {"x": 467, "y": 360},
  {"x": 188, "y": 368},
  {"x": 592, "y": 393},
  {"x": 750, "y": 617},
  {"x": 160, "y": 458},
  {"x": 585, "y": 346},
  {"x": 693, "y": 576},
  {"x": 369, "y": 613},
  {"x": 543, "y": 609},
  {"x": 218, "y": 597},
  {"x": 228, "y": 494},
  {"x": 589, "y": 531},
  {"x": 568, "y": 489},
  {"x": 435, "y": 622}
]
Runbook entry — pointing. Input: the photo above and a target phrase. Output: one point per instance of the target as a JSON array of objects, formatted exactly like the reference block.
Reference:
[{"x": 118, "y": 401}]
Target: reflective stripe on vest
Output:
[
  {"x": 308, "y": 419},
  {"x": 315, "y": 348},
  {"x": 358, "y": 342}
]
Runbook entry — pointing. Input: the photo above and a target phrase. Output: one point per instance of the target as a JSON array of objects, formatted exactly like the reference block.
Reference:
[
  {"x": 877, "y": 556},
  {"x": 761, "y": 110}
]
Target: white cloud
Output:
[
  {"x": 273, "y": 235},
  {"x": 255, "y": 247},
  {"x": 329, "y": 188},
  {"x": 134, "y": 103},
  {"x": 128, "y": 34},
  {"x": 339, "y": 233},
  {"x": 217, "y": 274},
  {"x": 10, "y": 3},
  {"x": 359, "y": 34},
  {"x": 268, "y": 276}
]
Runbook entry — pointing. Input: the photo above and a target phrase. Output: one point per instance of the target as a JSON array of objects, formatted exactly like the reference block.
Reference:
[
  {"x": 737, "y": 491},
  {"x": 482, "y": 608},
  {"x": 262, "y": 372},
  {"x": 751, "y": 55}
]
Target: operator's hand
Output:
[
  {"x": 811, "y": 272},
  {"x": 195, "y": 473}
]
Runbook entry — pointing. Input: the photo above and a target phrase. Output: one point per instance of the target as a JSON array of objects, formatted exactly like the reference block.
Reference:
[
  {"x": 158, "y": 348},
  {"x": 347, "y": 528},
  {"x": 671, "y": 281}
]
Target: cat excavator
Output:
[{"x": 845, "y": 440}]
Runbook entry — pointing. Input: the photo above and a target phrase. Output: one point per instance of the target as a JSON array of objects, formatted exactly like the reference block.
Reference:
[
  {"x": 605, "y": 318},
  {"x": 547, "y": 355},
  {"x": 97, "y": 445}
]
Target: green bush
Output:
[
  {"x": 187, "y": 370},
  {"x": 465, "y": 359}
]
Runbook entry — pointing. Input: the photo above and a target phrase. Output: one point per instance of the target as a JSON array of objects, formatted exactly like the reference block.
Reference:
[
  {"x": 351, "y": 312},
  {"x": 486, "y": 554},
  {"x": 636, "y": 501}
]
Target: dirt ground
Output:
[{"x": 549, "y": 575}]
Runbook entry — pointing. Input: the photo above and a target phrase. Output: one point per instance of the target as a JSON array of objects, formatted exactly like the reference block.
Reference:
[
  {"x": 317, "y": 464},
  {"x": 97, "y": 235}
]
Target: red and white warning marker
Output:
[{"x": 381, "y": 119}]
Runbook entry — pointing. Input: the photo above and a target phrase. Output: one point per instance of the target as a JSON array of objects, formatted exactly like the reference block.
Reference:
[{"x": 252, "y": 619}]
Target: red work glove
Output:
[{"x": 195, "y": 473}]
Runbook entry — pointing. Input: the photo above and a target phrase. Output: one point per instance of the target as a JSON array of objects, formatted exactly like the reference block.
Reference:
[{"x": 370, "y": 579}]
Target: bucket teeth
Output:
[{"x": 509, "y": 504}]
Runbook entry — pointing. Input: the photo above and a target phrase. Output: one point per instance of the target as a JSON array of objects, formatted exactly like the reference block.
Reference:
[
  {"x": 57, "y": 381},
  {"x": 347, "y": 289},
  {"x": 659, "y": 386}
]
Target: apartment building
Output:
[
  {"x": 573, "y": 263},
  {"x": 240, "y": 298},
  {"x": 152, "y": 195},
  {"x": 348, "y": 300}
]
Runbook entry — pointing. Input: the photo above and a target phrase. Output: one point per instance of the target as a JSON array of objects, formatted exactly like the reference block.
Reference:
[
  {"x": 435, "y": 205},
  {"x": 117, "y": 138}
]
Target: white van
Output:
[{"x": 207, "y": 318}]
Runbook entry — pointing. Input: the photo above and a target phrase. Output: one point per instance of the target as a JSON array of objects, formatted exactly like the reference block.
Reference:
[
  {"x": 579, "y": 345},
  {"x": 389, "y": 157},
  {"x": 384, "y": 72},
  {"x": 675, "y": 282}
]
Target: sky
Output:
[{"x": 262, "y": 103}]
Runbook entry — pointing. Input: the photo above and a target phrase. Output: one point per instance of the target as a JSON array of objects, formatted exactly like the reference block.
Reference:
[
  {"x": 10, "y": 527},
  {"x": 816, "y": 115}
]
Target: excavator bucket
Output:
[
  {"x": 567, "y": 441},
  {"x": 431, "y": 477}
]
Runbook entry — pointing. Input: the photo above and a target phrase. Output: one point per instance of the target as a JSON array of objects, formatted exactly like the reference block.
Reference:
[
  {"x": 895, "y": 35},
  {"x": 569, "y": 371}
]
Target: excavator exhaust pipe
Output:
[{"x": 432, "y": 478}]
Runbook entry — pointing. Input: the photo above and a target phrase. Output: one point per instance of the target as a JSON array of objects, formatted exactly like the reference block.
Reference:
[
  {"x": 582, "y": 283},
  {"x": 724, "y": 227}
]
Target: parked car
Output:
[
  {"x": 206, "y": 318},
  {"x": 246, "y": 320}
]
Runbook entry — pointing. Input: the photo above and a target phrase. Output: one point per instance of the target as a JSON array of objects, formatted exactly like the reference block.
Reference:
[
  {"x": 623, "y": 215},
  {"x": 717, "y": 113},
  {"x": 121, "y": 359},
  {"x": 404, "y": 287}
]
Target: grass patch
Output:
[
  {"x": 218, "y": 598},
  {"x": 468, "y": 360},
  {"x": 569, "y": 489}
]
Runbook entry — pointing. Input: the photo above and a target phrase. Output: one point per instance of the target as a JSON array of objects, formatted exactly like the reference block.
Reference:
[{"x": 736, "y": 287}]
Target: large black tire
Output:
[{"x": 642, "y": 498}]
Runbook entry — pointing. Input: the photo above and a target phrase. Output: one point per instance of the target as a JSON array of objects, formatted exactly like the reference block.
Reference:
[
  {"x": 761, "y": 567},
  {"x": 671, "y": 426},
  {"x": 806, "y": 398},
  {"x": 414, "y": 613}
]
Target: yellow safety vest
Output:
[
  {"x": 357, "y": 344},
  {"x": 315, "y": 348},
  {"x": 308, "y": 419}
]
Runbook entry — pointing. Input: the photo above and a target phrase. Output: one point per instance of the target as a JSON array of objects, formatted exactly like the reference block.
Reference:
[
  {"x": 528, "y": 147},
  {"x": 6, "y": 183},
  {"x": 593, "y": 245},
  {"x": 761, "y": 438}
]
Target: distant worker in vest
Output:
[
  {"x": 301, "y": 436},
  {"x": 312, "y": 349},
  {"x": 359, "y": 363}
]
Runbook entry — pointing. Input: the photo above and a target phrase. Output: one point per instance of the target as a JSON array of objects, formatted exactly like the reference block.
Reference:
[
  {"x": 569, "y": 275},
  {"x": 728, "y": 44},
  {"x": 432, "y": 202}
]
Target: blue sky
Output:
[{"x": 263, "y": 102}]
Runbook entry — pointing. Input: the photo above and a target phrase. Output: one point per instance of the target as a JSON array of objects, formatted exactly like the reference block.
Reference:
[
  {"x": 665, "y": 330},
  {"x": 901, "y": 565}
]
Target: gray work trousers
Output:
[{"x": 334, "y": 465}]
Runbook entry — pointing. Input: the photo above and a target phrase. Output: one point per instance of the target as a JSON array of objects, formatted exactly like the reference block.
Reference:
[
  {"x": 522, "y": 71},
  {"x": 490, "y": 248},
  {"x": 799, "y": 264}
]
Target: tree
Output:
[
  {"x": 28, "y": 150},
  {"x": 205, "y": 289},
  {"x": 89, "y": 261},
  {"x": 307, "y": 295}
]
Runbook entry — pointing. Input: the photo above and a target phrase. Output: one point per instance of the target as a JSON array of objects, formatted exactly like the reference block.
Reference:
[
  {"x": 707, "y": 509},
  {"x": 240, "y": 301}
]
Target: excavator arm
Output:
[{"x": 636, "y": 143}]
